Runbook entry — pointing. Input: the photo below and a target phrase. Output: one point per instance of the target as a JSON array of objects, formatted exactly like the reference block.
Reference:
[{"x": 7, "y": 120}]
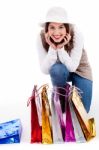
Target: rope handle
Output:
[
  {"x": 35, "y": 90},
  {"x": 54, "y": 90}
]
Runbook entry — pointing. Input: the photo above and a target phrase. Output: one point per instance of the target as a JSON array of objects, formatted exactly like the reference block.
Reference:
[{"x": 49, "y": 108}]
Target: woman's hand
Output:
[
  {"x": 47, "y": 38},
  {"x": 66, "y": 41}
]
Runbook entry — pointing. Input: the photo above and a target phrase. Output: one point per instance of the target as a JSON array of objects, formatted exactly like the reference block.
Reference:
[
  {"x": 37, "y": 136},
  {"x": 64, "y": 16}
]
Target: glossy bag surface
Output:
[
  {"x": 10, "y": 132},
  {"x": 46, "y": 113},
  {"x": 56, "y": 127},
  {"x": 59, "y": 110},
  {"x": 36, "y": 129},
  {"x": 87, "y": 125}
]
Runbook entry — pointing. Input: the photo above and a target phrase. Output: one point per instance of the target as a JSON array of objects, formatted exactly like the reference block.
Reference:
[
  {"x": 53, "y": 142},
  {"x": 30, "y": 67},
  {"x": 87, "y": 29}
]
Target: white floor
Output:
[{"x": 20, "y": 110}]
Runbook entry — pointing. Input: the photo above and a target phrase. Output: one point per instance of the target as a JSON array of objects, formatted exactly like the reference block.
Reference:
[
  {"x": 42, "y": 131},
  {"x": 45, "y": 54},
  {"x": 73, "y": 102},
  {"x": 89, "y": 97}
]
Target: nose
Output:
[{"x": 56, "y": 32}]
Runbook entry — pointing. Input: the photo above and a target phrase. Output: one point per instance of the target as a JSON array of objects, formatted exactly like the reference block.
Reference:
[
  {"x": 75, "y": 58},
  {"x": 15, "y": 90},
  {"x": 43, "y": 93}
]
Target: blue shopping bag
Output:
[{"x": 10, "y": 132}]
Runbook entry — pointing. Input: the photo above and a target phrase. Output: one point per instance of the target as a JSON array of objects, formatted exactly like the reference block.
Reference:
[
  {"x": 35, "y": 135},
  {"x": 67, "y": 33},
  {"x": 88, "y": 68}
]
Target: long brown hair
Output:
[{"x": 69, "y": 29}]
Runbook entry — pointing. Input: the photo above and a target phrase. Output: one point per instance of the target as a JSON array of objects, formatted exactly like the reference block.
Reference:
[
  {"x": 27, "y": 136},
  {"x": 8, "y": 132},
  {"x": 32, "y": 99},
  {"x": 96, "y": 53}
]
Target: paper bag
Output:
[{"x": 46, "y": 113}]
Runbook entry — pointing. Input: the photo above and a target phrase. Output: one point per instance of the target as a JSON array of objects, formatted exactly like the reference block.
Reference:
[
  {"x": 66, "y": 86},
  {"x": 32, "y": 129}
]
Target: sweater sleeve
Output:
[
  {"x": 46, "y": 59},
  {"x": 72, "y": 61}
]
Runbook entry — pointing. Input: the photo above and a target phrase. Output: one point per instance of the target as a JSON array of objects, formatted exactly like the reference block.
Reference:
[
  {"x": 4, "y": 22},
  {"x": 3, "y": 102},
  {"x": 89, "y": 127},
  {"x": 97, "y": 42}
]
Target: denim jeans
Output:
[{"x": 60, "y": 75}]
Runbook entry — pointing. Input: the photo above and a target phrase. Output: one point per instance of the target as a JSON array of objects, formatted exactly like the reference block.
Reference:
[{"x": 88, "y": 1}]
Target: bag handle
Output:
[
  {"x": 36, "y": 90},
  {"x": 67, "y": 89},
  {"x": 79, "y": 91},
  {"x": 33, "y": 95}
]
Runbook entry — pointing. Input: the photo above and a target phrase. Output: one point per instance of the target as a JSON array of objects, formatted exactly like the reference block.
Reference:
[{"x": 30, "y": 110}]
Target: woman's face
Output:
[{"x": 57, "y": 31}]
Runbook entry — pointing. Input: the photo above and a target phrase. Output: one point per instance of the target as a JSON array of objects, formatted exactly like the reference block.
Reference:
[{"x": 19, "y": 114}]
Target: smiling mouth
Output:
[
  {"x": 56, "y": 42},
  {"x": 57, "y": 37}
]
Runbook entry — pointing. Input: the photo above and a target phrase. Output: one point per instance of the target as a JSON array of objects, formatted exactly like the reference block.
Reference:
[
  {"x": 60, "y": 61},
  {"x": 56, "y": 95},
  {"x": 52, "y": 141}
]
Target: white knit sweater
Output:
[{"x": 47, "y": 59}]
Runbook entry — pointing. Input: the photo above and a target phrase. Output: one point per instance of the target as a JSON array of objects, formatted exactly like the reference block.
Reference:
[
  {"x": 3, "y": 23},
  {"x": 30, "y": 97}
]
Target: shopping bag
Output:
[
  {"x": 46, "y": 113},
  {"x": 69, "y": 135},
  {"x": 38, "y": 103},
  {"x": 69, "y": 132},
  {"x": 59, "y": 110},
  {"x": 36, "y": 129},
  {"x": 79, "y": 136},
  {"x": 56, "y": 128},
  {"x": 87, "y": 125},
  {"x": 10, "y": 132}
]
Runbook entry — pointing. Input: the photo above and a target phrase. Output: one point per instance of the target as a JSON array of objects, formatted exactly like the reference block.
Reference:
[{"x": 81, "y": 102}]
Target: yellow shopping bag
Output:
[
  {"x": 46, "y": 126},
  {"x": 87, "y": 125}
]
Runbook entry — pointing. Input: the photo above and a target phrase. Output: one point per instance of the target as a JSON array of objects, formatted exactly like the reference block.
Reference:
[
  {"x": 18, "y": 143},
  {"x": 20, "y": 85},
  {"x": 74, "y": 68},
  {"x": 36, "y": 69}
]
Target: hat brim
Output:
[{"x": 42, "y": 24}]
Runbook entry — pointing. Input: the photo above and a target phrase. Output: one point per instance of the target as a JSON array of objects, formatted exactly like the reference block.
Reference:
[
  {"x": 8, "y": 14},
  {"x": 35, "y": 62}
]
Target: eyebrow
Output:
[{"x": 54, "y": 25}]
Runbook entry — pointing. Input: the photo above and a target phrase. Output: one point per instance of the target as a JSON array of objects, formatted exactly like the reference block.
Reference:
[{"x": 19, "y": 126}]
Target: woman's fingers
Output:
[
  {"x": 68, "y": 36},
  {"x": 66, "y": 40},
  {"x": 47, "y": 37}
]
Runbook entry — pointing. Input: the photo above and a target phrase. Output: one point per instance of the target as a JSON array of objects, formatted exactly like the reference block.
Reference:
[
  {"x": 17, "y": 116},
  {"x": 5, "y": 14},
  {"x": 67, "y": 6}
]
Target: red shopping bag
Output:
[{"x": 36, "y": 129}]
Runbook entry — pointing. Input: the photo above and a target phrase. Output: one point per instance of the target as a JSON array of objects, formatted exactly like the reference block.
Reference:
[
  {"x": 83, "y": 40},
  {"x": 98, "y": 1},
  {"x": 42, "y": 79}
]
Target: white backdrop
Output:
[{"x": 19, "y": 67}]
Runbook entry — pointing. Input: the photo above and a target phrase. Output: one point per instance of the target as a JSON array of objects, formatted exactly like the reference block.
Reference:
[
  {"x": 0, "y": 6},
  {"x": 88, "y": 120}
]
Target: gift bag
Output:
[
  {"x": 36, "y": 129},
  {"x": 46, "y": 113},
  {"x": 69, "y": 135},
  {"x": 58, "y": 109},
  {"x": 69, "y": 132},
  {"x": 56, "y": 128},
  {"x": 87, "y": 125},
  {"x": 10, "y": 132},
  {"x": 79, "y": 136}
]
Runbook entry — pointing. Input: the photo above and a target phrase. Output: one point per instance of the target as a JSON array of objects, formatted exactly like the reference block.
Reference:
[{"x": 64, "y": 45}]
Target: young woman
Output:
[{"x": 62, "y": 55}]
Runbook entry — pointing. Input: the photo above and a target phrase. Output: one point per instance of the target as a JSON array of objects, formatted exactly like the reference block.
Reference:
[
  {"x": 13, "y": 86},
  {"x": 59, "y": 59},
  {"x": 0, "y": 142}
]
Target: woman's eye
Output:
[
  {"x": 52, "y": 28},
  {"x": 61, "y": 27}
]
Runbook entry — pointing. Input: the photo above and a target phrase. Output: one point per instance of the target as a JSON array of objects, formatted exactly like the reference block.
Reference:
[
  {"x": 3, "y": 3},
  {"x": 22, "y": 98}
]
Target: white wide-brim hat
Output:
[{"x": 56, "y": 14}]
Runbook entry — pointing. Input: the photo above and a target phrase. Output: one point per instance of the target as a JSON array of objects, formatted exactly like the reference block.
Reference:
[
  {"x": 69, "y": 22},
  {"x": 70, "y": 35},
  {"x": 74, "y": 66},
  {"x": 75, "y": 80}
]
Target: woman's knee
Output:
[{"x": 59, "y": 70}]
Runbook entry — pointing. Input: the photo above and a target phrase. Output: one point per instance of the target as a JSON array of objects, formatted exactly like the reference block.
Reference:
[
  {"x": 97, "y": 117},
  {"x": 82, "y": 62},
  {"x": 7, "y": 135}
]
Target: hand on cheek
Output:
[
  {"x": 66, "y": 41},
  {"x": 47, "y": 38}
]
